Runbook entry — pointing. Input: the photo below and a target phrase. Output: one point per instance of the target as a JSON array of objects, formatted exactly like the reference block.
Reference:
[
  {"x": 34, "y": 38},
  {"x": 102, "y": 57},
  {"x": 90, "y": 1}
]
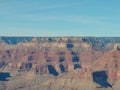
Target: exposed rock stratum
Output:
[{"x": 59, "y": 63}]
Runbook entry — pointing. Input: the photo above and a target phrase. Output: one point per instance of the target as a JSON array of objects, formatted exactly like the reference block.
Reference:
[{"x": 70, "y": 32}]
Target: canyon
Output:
[{"x": 59, "y": 63}]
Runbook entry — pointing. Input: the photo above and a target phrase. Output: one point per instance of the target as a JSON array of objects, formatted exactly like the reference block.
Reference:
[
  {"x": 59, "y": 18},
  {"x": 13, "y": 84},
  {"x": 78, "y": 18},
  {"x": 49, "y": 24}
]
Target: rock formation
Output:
[{"x": 57, "y": 56}]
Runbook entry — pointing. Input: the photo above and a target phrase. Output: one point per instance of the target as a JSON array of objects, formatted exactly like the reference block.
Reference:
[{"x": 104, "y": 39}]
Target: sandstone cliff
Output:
[{"x": 76, "y": 57}]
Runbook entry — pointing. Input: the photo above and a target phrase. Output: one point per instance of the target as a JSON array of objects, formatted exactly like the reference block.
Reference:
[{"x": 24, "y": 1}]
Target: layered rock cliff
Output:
[{"x": 89, "y": 58}]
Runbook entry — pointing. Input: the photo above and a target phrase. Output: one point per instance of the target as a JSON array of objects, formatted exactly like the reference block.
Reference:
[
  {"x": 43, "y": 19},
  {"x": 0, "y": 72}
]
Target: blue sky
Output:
[{"x": 59, "y": 17}]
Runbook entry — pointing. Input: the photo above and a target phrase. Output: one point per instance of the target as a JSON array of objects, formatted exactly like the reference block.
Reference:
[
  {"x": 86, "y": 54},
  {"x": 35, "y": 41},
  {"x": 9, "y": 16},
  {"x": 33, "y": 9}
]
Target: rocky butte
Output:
[{"x": 59, "y": 63}]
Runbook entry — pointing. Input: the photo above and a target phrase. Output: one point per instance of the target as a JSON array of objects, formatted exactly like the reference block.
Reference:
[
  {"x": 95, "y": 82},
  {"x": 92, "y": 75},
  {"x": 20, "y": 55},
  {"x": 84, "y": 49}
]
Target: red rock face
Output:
[{"x": 64, "y": 54}]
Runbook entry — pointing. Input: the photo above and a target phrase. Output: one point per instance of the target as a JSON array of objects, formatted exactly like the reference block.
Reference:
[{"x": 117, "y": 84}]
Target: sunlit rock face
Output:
[{"x": 56, "y": 56}]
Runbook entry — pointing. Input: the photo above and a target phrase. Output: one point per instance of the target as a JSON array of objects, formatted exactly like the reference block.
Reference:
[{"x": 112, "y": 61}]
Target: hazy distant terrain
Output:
[{"x": 59, "y": 63}]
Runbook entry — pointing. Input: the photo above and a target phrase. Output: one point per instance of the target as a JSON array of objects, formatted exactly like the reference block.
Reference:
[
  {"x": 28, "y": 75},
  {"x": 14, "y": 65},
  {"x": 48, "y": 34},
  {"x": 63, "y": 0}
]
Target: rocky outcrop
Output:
[{"x": 59, "y": 55}]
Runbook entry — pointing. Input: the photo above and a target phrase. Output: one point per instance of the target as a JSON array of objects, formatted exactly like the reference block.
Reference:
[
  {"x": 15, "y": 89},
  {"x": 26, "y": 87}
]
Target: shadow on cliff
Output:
[
  {"x": 69, "y": 44},
  {"x": 75, "y": 59},
  {"x": 77, "y": 66},
  {"x": 52, "y": 70},
  {"x": 4, "y": 76},
  {"x": 2, "y": 64},
  {"x": 100, "y": 77},
  {"x": 62, "y": 68}
]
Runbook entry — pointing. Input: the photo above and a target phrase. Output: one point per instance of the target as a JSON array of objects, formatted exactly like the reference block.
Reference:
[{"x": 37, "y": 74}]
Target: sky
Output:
[{"x": 60, "y": 18}]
